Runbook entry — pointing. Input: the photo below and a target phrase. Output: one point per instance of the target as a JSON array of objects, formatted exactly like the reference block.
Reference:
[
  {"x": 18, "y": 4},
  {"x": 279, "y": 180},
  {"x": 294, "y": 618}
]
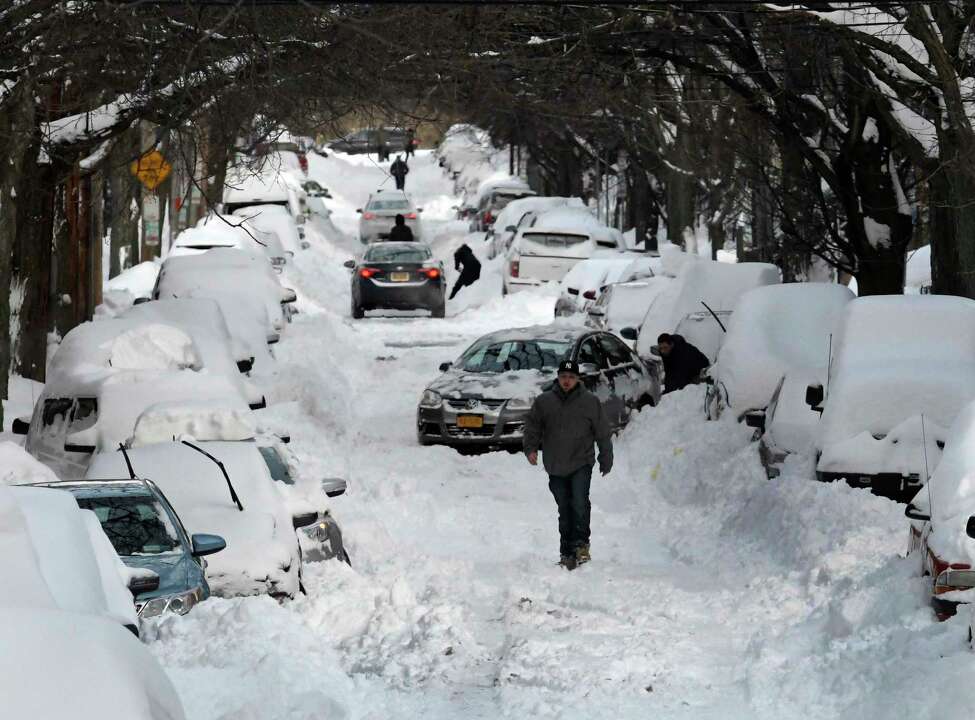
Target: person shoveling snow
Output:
[
  {"x": 471, "y": 272},
  {"x": 565, "y": 422}
]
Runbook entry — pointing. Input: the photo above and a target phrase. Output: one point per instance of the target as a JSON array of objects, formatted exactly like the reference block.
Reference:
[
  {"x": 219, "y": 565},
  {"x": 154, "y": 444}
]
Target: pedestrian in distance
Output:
[
  {"x": 382, "y": 149},
  {"x": 401, "y": 231},
  {"x": 683, "y": 362},
  {"x": 464, "y": 258},
  {"x": 399, "y": 171},
  {"x": 410, "y": 142},
  {"x": 564, "y": 423}
]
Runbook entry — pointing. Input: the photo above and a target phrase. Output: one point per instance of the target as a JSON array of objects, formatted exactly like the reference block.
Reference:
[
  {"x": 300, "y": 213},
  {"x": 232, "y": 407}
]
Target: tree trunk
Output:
[
  {"x": 952, "y": 228},
  {"x": 882, "y": 274},
  {"x": 124, "y": 192}
]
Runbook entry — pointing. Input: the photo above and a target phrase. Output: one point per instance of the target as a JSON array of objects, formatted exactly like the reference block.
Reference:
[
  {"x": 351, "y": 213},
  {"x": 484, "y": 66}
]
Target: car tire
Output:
[
  {"x": 439, "y": 311},
  {"x": 357, "y": 312}
]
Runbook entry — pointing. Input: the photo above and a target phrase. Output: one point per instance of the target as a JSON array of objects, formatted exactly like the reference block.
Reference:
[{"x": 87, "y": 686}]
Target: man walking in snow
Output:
[
  {"x": 683, "y": 362},
  {"x": 401, "y": 231},
  {"x": 465, "y": 258},
  {"x": 399, "y": 170},
  {"x": 565, "y": 422}
]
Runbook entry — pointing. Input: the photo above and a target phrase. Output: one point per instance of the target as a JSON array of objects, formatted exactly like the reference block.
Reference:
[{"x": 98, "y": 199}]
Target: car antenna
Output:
[
  {"x": 715, "y": 316},
  {"x": 233, "y": 493},
  {"x": 128, "y": 463},
  {"x": 927, "y": 473},
  {"x": 829, "y": 364}
]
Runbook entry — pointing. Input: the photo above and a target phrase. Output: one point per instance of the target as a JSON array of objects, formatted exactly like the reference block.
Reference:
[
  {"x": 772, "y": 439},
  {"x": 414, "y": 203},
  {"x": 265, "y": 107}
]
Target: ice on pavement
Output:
[{"x": 713, "y": 592}]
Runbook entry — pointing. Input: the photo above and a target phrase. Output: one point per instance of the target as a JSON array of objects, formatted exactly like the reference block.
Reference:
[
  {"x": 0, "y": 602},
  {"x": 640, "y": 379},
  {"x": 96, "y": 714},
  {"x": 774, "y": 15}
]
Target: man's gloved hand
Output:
[{"x": 604, "y": 470}]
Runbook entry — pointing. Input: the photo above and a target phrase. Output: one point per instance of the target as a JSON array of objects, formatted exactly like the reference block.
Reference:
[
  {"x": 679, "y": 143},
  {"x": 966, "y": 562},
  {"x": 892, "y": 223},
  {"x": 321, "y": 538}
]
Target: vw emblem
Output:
[{"x": 472, "y": 404}]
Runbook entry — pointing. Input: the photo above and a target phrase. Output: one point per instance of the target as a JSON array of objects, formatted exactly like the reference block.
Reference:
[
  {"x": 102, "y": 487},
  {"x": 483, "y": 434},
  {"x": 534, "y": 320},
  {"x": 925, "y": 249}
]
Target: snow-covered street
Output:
[{"x": 713, "y": 592}]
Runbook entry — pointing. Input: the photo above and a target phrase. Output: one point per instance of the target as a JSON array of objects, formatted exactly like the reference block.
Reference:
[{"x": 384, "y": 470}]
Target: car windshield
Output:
[
  {"x": 136, "y": 525},
  {"x": 555, "y": 240},
  {"x": 509, "y": 355},
  {"x": 385, "y": 253},
  {"x": 389, "y": 205},
  {"x": 500, "y": 201}
]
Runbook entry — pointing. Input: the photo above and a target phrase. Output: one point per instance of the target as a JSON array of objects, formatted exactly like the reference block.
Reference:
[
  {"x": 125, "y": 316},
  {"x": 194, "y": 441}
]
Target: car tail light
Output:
[
  {"x": 368, "y": 216},
  {"x": 589, "y": 294},
  {"x": 369, "y": 272},
  {"x": 514, "y": 268},
  {"x": 432, "y": 273},
  {"x": 488, "y": 217},
  {"x": 410, "y": 216}
]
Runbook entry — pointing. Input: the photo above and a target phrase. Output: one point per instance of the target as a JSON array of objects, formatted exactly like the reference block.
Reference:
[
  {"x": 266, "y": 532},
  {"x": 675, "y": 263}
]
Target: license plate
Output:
[
  {"x": 399, "y": 277},
  {"x": 470, "y": 421}
]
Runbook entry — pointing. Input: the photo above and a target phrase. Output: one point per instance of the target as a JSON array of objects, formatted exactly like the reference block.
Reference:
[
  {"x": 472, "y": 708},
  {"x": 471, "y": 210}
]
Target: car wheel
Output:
[
  {"x": 439, "y": 311},
  {"x": 357, "y": 312}
]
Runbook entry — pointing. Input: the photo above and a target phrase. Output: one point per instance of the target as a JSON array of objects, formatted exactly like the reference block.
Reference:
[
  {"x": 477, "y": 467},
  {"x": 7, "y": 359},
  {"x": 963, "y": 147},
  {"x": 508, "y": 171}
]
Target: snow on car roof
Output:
[
  {"x": 63, "y": 664},
  {"x": 775, "y": 330},
  {"x": 513, "y": 211},
  {"x": 502, "y": 181},
  {"x": 567, "y": 220},
  {"x": 244, "y": 185},
  {"x": 259, "y": 539},
  {"x": 275, "y": 220},
  {"x": 898, "y": 357},
  {"x": 594, "y": 273}
]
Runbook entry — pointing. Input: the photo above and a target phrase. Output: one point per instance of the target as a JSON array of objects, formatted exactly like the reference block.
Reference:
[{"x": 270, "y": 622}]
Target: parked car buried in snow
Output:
[
  {"x": 902, "y": 368},
  {"x": 584, "y": 283},
  {"x": 493, "y": 196},
  {"x": 483, "y": 398}
]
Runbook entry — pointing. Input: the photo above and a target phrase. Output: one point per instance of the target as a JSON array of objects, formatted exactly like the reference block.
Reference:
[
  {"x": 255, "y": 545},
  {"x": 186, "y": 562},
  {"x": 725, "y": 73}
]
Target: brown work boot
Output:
[
  {"x": 582, "y": 555},
  {"x": 568, "y": 562}
]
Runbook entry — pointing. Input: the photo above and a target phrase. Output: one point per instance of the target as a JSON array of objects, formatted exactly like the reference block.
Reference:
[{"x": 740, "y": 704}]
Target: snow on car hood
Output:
[
  {"x": 899, "y": 451},
  {"x": 496, "y": 386}
]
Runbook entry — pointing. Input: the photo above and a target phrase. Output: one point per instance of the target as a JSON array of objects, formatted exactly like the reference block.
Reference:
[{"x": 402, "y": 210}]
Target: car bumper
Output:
[
  {"x": 412, "y": 296},
  {"x": 514, "y": 285},
  {"x": 438, "y": 426}
]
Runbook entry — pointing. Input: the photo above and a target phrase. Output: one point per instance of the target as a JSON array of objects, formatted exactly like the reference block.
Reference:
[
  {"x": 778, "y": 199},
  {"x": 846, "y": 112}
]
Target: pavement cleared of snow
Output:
[{"x": 713, "y": 592}]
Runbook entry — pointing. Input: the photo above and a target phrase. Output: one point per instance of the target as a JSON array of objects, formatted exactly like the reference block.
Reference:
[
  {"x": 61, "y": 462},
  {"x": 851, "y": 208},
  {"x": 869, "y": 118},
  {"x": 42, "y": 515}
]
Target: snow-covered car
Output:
[
  {"x": 379, "y": 215},
  {"x": 788, "y": 425},
  {"x": 249, "y": 293},
  {"x": 556, "y": 241},
  {"x": 232, "y": 231},
  {"x": 246, "y": 188},
  {"x": 902, "y": 368},
  {"x": 701, "y": 286},
  {"x": 942, "y": 526},
  {"x": 584, "y": 283},
  {"x": 775, "y": 330},
  {"x": 398, "y": 275},
  {"x": 519, "y": 214},
  {"x": 483, "y": 398},
  {"x": 622, "y": 305},
  {"x": 224, "y": 488},
  {"x": 315, "y": 198},
  {"x": 68, "y": 418},
  {"x": 493, "y": 196},
  {"x": 147, "y": 535},
  {"x": 58, "y": 664},
  {"x": 54, "y": 555},
  {"x": 276, "y": 222}
]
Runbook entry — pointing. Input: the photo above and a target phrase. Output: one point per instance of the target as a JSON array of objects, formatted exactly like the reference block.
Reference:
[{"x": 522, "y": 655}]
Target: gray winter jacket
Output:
[{"x": 565, "y": 426}]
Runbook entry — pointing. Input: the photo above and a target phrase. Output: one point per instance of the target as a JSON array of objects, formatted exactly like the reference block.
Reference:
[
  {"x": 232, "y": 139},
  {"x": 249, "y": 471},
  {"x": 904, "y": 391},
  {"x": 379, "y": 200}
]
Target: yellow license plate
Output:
[
  {"x": 470, "y": 421},
  {"x": 399, "y": 277}
]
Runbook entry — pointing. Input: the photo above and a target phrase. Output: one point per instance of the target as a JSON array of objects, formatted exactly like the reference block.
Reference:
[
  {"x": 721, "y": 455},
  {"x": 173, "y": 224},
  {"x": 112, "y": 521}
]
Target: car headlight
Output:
[
  {"x": 521, "y": 403},
  {"x": 180, "y": 603},
  {"x": 430, "y": 399}
]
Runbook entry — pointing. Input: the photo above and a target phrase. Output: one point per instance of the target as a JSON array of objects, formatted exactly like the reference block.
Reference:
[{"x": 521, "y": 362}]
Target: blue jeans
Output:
[{"x": 571, "y": 494}]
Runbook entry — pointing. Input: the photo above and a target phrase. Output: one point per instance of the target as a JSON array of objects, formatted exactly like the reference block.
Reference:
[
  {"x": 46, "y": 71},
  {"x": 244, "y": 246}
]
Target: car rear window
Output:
[
  {"x": 389, "y": 205},
  {"x": 511, "y": 355},
  {"x": 554, "y": 240},
  {"x": 135, "y": 525},
  {"x": 385, "y": 253}
]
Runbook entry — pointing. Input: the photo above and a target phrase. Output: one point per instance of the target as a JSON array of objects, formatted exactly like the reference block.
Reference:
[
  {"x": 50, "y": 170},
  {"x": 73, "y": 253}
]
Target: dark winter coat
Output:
[
  {"x": 565, "y": 426},
  {"x": 472, "y": 266},
  {"x": 401, "y": 233},
  {"x": 399, "y": 169},
  {"x": 684, "y": 364}
]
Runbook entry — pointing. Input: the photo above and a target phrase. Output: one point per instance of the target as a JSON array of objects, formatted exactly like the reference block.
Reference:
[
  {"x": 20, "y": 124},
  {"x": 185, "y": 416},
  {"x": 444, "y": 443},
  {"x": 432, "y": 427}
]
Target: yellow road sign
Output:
[{"x": 151, "y": 169}]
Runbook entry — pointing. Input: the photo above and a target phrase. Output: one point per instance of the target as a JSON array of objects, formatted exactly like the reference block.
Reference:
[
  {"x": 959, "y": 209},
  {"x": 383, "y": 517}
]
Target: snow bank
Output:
[
  {"x": 19, "y": 468},
  {"x": 775, "y": 330},
  {"x": 897, "y": 358}
]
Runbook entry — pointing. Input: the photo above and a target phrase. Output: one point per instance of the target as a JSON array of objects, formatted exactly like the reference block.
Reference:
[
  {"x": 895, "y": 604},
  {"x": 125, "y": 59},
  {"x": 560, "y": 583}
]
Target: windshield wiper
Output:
[{"x": 233, "y": 493}]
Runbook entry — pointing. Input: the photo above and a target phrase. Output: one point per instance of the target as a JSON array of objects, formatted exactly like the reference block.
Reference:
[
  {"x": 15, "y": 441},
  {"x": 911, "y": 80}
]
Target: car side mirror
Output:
[
  {"x": 206, "y": 544},
  {"x": 588, "y": 369},
  {"x": 304, "y": 519},
  {"x": 146, "y": 581},
  {"x": 914, "y": 513},
  {"x": 141, "y": 300},
  {"x": 359, "y": 210},
  {"x": 755, "y": 420},
  {"x": 350, "y": 264},
  {"x": 970, "y": 528},
  {"x": 589, "y": 294},
  {"x": 333, "y": 487},
  {"x": 419, "y": 209},
  {"x": 83, "y": 441},
  {"x": 288, "y": 295},
  {"x": 245, "y": 366},
  {"x": 629, "y": 333},
  {"x": 305, "y": 244},
  {"x": 444, "y": 367},
  {"x": 260, "y": 405},
  {"x": 511, "y": 228},
  {"x": 20, "y": 426},
  {"x": 814, "y": 396},
  {"x": 289, "y": 253}
]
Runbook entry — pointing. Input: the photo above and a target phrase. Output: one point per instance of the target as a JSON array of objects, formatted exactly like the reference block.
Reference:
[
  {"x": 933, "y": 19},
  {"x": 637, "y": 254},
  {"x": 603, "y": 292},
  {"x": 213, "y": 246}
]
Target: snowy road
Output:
[{"x": 713, "y": 593}]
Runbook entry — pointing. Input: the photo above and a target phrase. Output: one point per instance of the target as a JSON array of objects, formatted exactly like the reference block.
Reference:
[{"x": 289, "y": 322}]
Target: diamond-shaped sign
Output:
[{"x": 151, "y": 169}]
